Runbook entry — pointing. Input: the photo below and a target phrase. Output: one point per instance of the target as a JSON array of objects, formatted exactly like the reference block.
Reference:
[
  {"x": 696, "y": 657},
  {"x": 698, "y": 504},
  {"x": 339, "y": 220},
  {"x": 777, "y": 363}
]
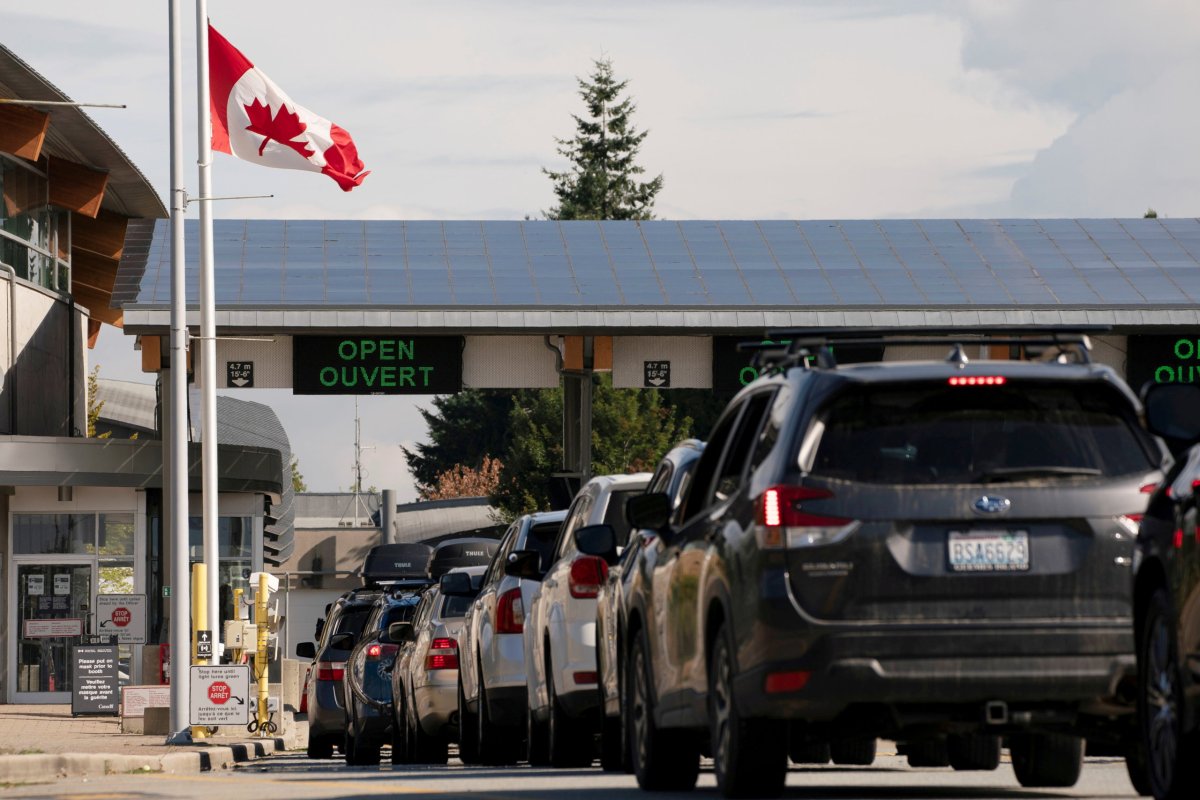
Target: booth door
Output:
[{"x": 53, "y": 607}]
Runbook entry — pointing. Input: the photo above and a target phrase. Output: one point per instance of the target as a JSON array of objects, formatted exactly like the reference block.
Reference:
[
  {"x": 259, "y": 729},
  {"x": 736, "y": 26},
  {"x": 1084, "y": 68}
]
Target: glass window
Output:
[
  {"x": 116, "y": 535},
  {"x": 614, "y": 515},
  {"x": 54, "y": 533},
  {"x": 542, "y": 537},
  {"x": 456, "y": 606},
  {"x": 936, "y": 433},
  {"x": 234, "y": 540},
  {"x": 733, "y": 468}
]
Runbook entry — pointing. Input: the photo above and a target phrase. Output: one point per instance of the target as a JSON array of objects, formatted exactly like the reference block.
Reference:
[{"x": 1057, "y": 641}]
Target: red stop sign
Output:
[
  {"x": 121, "y": 616},
  {"x": 219, "y": 693}
]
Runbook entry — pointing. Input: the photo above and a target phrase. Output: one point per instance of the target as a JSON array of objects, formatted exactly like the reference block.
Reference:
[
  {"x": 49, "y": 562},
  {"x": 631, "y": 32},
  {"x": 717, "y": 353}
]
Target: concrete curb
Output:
[{"x": 37, "y": 768}]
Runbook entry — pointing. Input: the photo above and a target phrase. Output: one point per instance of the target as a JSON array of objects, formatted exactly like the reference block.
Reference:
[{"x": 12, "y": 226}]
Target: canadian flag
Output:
[{"x": 255, "y": 120}]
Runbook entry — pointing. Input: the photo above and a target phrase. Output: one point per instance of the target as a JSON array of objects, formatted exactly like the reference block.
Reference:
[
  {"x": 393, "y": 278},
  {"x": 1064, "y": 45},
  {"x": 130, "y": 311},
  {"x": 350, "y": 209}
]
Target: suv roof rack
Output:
[{"x": 801, "y": 347}]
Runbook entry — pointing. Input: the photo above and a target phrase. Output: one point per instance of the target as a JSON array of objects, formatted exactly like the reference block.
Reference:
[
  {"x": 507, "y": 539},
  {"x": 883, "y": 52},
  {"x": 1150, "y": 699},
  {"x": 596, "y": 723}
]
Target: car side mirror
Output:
[
  {"x": 456, "y": 584},
  {"x": 597, "y": 540},
  {"x": 1173, "y": 412},
  {"x": 652, "y": 511},
  {"x": 342, "y": 641},
  {"x": 306, "y": 650},
  {"x": 399, "y": 632},
  {"x": 525, "y": 564}
]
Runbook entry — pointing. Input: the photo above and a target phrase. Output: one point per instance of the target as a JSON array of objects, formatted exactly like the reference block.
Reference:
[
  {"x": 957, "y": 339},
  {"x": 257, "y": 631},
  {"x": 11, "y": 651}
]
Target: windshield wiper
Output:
[{"x": 1018, "y": 473}]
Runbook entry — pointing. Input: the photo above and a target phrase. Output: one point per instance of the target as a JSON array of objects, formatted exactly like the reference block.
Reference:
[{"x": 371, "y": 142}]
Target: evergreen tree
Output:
[{"x": 602, "y": 180}]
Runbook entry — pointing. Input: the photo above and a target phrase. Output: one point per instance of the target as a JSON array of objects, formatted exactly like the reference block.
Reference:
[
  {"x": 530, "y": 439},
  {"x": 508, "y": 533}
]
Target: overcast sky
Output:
[{"x": 757, "y": 109}]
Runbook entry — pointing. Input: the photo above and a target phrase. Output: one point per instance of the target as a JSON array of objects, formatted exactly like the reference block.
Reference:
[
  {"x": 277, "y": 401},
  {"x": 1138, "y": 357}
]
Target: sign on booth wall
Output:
[
  {"x": 122, "y": 616},
  {"x": 377, "y": 364}
]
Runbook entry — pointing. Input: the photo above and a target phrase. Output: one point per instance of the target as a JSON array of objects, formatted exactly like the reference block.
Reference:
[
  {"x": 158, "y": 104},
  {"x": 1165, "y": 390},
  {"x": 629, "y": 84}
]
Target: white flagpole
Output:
[
  {"x": 208, "y": 332},
  {"x": 177, "y": 484}
]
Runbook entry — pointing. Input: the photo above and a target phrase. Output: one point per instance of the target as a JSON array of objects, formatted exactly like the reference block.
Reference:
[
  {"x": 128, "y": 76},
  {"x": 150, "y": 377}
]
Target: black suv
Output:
[
  {"x": 936, "y": 552},
  {"x": 1167, "y": 607}
]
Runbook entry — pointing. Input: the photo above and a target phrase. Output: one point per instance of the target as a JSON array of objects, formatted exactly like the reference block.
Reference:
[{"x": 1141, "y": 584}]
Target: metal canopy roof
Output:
[{"x": 502, "y": 276}]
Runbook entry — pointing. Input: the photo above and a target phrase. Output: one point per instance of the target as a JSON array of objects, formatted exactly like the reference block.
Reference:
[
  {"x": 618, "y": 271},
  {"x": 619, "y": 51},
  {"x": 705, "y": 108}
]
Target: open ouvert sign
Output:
[{"x": 376, "y": 364}]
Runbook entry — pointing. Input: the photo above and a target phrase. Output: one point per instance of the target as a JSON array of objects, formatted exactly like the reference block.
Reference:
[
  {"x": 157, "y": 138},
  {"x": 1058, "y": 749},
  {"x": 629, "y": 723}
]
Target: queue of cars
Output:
[{"x": 958, "y": 555}]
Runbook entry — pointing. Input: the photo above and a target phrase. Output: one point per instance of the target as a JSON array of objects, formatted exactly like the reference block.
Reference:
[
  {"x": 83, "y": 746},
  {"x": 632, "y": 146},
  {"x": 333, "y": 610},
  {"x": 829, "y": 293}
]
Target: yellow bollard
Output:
[
  {"x": 199, "y": 623},
  {"x": 260, "y": 655}
]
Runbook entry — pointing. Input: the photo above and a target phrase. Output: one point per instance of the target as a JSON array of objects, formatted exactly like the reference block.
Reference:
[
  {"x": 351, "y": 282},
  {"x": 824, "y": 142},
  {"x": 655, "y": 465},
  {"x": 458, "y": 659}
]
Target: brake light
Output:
[
  {"x": 587, "y": 677},
  {"x": 1178, "y": 538},
  {"x": 783, "y": 522},
  {"x": 374, "y": 651},
  {"x": 443, "y": 654},
  {"x": 588, "y": 574},
  {"x": 1148, "y": 488},
  {"x": 510, "y": 612},
  {"x": 330, "y": 670},
  {"x": 778, "y": 682},
  {"x": 978, "y": 380}
]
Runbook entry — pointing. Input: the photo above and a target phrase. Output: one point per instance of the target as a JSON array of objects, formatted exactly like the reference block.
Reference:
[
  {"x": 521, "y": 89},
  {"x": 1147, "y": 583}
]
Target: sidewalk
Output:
[{"x": 44, "y": 741}]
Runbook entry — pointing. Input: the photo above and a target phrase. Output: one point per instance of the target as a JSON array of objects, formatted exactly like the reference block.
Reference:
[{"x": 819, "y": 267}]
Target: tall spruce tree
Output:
[{"x": 602, "y": 181}]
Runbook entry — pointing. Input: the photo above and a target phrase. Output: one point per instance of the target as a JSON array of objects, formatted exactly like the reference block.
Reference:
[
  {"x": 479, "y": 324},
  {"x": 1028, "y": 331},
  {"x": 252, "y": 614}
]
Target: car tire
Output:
[
  {"x": 801, "y": 752},
  {"x": 973, "y": 752},
  {"x": 319, "y": 747},
  {"x": 569, "y": 740},
  {"x": 537, "y": 746},
  {"x": 662, "y": 760},
  {"x": 1138, "y": 770},
  {"x": 468, "y": 730},
  {"x": 498, "y": 747},
  {"x": 1046, "y": 759},
  {"x": 401, "y": 750},
  {"x": 1172, "y": 771},
  {"x": 749, "y": 755},
  {"x": 612, "y": 757},
  {"x": 858, "y": 751},
  {"x": 922, "y": 753},
  {"x": 426, "y": 749},
  {"x": 358, "y": 754}
]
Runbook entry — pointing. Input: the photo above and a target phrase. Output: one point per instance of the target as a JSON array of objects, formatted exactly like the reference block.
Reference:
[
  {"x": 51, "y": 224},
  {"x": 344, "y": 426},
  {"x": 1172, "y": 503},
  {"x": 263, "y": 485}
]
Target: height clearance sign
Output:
[{"x": 375, "y": 364}]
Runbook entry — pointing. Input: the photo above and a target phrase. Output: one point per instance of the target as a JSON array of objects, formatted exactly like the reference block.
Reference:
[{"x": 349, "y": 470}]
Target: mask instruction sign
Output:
[
  {"x": 35, "y": 584},
  {"x": 376, "y": 364},
  {"x": 62, "y": 583},
  {"x": 122, "y": 616}
]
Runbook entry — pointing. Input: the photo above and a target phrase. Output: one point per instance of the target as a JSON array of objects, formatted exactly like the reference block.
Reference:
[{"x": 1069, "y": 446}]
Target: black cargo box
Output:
[
  {"x": 472, "y": 552},
  {"x": 397, "y": 563}
]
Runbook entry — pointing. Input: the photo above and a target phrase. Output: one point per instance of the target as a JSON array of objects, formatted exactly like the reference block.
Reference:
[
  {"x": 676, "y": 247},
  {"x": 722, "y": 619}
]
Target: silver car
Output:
[
  {"x": 425, "y": 679},
  {"x": 493, "y": 696}
]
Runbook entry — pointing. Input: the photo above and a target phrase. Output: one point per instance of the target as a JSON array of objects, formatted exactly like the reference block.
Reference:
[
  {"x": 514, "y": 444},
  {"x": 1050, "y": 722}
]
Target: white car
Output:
[
  {"x": 492, "y": 698},
  {"x": 560, "y": 627}
]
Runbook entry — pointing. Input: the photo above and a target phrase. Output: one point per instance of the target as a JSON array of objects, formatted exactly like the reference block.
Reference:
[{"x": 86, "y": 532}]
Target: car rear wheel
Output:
[
  {"x": 662, "y": 760},
  {"x": 401, "y": 753},
  {"x": 537, "y": 746},
  {"x": 319, "y": 747},
  {"x": 468, "y": 730},
  {"x": 927, "y": 753},
  {"x": 858, "y": 751},
  {"x": 497, "y": 746},
  {"x": 802, "y": 752},
  {"x": 973, "y": 752},
  {"x": 570, "y": 741},
  {"x": 1046, "y": 759},
  {"x": 359, "y": 754},
  {"x": 1172, "y": 771},
  {"x": 749, "y": 755}
]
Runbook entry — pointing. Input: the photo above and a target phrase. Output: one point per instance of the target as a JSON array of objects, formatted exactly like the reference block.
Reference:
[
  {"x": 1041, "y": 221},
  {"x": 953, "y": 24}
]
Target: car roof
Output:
[{"x": 614, "y": 482}]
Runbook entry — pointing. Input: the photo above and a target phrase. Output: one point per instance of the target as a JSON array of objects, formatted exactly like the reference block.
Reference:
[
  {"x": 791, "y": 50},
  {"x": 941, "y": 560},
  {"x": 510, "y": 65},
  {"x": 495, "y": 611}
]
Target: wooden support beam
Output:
[
  {"x": 76, "y": 187},
  {"x": 93, "y": 271},
  {"x": 93, "y": 333},
  {"x": 573, "y": 357},
  {"x": 23, "y": 130},
  {"x": 104, "y": 235},
  {"x": 96, "y": 302},
  {"x": 151, "y": 353}
]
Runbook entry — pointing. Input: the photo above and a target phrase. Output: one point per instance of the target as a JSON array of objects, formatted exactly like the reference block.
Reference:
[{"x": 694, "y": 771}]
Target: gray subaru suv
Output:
[{"x": 935, "y": 552}]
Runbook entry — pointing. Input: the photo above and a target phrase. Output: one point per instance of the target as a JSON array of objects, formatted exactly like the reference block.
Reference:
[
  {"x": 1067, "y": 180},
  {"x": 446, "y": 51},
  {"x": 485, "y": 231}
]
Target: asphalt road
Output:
[{"x": 295, "y": 777}]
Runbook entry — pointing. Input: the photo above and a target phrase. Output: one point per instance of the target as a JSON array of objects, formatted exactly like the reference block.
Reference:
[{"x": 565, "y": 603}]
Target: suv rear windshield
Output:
[
  {"x": 352, "y": 619},
  {"x": 935, "y": 433}
]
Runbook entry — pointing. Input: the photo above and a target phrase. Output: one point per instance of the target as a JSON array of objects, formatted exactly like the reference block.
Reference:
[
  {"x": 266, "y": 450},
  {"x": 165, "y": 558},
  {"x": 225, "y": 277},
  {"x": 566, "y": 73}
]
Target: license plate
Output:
[{"x": 988, "y": 551}]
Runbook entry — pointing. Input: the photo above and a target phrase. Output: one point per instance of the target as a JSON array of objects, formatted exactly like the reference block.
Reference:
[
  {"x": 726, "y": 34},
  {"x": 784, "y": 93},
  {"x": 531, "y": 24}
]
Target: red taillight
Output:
[
  {"x": 330, "y": 670},
  {"x": 1148, "y": 488},
  {"x": 510, "y": 612},
  {"x": 587, "y": 576},
  {"x": 443, "y": 654},
  {"x": 1178, "y": 538},
  {"x": 978, "y": 380},
  {"x": 587, "y": 677},
  {"x": 783, "y": 522},
  {"x": 794, "y": 681},
  {"x": 374, "y": 651},
  {"x": 304, "y": 692}
]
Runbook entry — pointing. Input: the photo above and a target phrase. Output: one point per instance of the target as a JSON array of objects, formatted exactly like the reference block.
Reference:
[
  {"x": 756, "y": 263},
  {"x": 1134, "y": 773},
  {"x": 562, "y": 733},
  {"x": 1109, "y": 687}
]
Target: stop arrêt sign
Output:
[
  {"x": 219, "y": 693},
  {"x": 121, "y": 616}
]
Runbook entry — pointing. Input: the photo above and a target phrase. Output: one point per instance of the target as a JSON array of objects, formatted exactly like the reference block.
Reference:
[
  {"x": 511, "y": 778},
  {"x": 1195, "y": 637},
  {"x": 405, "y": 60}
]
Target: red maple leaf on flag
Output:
[{"x": 284, "y": 127}]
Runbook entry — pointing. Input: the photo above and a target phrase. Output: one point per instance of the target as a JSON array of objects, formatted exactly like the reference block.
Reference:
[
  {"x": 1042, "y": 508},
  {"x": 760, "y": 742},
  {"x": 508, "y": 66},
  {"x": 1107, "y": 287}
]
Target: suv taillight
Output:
[
  {"x": 783, "y": 522},
  {"x": 588, "y": 574},
  {"x": 510, "y": 612},
  {"x": 304, "y": 692},
  {"x": 443, "y": 654},
  {"x": 376, "y": 651},
  {"x": 330, "y": 670}
]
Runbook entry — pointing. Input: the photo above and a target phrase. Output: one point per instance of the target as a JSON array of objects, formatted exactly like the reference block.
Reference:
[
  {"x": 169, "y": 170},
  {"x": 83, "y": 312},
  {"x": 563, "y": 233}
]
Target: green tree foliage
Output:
[
  {"x": 602, "y": 182},
  {"x": 94, "y": 404},
  {"x": 298, "y": 484},
  {"x": 1150, "y": 214}
]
